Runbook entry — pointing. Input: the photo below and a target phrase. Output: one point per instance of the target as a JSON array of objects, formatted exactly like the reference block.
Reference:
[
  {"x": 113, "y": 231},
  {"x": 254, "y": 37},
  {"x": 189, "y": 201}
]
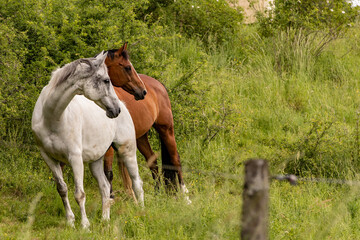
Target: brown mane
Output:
[{"x": 124, "y": 54}]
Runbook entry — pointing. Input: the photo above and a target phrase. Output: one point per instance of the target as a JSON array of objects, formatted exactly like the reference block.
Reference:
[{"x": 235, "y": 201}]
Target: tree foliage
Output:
[
  {"x": 333, "y": 16},
  {"x": 207, "y": 20},
  {"x": 36, "y": 36}
]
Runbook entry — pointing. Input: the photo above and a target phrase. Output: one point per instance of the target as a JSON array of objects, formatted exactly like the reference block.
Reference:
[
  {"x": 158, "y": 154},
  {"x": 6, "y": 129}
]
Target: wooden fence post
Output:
[{"x": 255, "y": 200}]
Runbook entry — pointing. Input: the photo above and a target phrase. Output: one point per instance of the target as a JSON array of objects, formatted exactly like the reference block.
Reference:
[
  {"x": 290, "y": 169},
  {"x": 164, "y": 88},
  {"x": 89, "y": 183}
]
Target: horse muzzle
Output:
[
  {"x": 113, "y": 112},
  {"x": 140, "y": 95}
]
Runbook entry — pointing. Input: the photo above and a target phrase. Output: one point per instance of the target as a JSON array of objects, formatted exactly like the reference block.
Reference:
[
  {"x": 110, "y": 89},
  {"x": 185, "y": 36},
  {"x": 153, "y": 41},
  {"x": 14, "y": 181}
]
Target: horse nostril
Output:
[{"x": 144, "y": 92}]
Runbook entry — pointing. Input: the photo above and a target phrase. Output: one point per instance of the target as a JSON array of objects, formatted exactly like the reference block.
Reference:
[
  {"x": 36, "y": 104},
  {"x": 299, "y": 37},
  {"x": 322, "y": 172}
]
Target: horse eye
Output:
[
  {"x": 127, "y": 68},
  {"x": 107, "y": 81}
]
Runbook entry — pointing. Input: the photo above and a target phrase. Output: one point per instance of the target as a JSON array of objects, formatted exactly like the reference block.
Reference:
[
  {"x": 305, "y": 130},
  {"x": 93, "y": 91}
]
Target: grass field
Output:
[{"x": 229, "y": 104}]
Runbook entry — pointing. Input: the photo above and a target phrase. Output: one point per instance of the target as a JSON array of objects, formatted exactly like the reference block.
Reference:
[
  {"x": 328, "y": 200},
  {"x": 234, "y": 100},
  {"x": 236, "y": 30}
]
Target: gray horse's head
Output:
[{"x": 94, "y": 83}]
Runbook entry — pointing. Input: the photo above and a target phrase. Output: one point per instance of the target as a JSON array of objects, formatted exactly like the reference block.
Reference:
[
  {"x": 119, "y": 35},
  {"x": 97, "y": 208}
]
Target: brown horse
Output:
[{"x": 153, "y": 111}]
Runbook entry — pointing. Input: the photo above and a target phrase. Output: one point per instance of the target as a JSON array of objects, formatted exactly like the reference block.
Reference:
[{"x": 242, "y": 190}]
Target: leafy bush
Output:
[
  {"x": 332, "y": 17},
  {"x": 37, "y": 36},
  {"x": 15, "y": 96},
  {"x": 324, "y": 151},
  {"x": 303, "y": 29},
  {"x": 208, "y": 20}
]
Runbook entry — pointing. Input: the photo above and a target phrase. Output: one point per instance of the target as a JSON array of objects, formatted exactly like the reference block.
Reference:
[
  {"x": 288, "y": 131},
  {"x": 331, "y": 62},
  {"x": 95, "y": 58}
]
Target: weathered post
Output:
[{"x": 255, "y": 200}]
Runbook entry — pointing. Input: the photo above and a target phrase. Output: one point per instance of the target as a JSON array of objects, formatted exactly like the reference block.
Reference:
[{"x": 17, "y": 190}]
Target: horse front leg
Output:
[
  {"x": 97, "y": 170},
  {"x": 108, "y": 162},
  {"x": 60, "y": 186},
  {"x": 151, "y": 158},
  {"x": 77, "y": 166}
]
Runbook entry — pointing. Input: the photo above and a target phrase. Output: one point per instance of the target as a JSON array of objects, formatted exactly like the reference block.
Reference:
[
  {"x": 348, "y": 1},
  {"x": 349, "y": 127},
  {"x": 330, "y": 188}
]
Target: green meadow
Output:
[{"x": 236, "y": 93}]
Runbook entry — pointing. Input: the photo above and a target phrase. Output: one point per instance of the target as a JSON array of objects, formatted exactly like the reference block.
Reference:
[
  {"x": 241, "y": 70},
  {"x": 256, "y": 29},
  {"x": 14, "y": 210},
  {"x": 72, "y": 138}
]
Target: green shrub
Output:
[
  {"x": 302, "y": 30},
  {"x": 16, "y": 96},
  {"x": 332, "y": 17},
  {"x": 208, "y": 20}
]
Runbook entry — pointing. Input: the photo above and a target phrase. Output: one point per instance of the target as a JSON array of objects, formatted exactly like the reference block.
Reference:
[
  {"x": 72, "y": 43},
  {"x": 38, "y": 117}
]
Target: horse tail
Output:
[
  {"x": 168, "y": 169},
  {"x": 125, "y": 177}
]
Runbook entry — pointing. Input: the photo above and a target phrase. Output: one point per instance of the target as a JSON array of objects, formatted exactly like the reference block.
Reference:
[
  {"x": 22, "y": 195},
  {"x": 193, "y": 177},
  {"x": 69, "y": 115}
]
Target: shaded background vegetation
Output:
[{"x": 285, "y": 88}]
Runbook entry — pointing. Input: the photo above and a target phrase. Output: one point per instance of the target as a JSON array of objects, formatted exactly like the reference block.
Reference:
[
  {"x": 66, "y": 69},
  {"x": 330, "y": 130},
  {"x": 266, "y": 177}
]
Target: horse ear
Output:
[
  {"x": 100, "y": 58},
  {"x": 123, "y": 48}
]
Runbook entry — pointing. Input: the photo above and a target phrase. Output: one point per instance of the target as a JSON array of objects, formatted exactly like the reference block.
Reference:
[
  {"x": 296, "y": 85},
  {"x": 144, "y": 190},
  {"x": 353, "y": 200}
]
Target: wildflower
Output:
[
  {"x": 342, "y": 12},
  {"x": 331, "y": 10}
]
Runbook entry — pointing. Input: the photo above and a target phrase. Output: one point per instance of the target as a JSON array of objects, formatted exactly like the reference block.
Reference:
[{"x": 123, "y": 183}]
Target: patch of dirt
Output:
[{"x": 258, "y": 5}]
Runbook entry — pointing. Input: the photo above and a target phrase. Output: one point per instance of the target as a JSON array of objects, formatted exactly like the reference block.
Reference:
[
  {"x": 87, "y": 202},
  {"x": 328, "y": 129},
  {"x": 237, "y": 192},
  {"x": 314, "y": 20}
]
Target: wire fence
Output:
[
  {"x": 291, "y": 178},
  {"x": 239, "y": 178},
  {"x": 256, "y": 185}
]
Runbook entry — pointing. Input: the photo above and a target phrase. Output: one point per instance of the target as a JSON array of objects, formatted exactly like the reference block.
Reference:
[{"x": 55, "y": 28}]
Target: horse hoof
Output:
[
  {"x": 70, "y": 223},
  {"x": 85, "y": 224}
]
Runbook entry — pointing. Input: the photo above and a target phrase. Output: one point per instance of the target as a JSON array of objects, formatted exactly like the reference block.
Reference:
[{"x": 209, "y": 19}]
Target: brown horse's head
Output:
[{"x": 123, "y": 74}]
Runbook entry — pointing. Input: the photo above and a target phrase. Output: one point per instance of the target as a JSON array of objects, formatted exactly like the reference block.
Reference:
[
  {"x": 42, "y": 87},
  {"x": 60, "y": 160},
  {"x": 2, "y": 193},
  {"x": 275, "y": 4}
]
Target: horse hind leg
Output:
[
  {"x": 108, "y": 161},
  {"x": 171, "y": 159},
  {"x": 126, "y": 156},
  {"x": 125, "y": 177},
  {"x": 151, "y": 158},
  {"x": 97, "y": 171},
  {"x": 60, "y": 186}
]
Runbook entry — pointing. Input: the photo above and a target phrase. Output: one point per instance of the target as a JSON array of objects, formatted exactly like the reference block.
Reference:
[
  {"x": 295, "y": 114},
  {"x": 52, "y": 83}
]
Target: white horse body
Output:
[
  {"x": 75, "y": 129},
  {"x": 94, "y": 136}
]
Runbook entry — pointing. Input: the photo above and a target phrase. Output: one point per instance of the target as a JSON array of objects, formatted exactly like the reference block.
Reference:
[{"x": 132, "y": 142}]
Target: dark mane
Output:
[{"x": 124, "y": 54}]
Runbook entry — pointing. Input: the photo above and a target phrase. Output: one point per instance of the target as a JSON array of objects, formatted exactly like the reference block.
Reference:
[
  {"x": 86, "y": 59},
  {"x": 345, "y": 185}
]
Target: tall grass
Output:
[{"x": 252, "y": 98}]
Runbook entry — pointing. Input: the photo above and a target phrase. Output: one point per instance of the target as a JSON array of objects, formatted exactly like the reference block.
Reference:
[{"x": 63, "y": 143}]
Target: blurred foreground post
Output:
[{"x": 255, "y": 200}]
